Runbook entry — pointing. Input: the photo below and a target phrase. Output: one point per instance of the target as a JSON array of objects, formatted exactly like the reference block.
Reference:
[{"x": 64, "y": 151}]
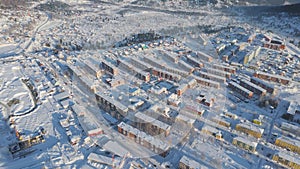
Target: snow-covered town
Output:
[{"x": 149, "y": 84}]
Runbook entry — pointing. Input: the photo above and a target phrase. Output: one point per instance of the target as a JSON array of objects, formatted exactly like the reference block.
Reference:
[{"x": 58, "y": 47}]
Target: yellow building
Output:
[
  {"x": 221, "y": 122},
  {"x": 212, "y": 131},
  {"x": 250, "y": 129},
  {"x": 286, "y": 142},
  {"x": 287, "y": 160},
  {"x": 244, "y": 143}
]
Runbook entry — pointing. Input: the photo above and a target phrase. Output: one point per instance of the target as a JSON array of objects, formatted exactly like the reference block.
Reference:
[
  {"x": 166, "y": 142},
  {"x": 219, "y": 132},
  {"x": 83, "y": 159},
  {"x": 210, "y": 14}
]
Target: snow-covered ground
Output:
[{"x": 40, "y": 45}]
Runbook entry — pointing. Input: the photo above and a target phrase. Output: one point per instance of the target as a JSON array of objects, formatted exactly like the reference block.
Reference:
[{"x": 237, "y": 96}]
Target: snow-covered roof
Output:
[
  {"x": 289, "y": 141},
  {"x": 293, "y": 107},
  {"x": 61, "y": 96},
  {"x": 115, "y": 148},
  {"x": 239, "y": 87},
  {"x": 246, "y": 141},
  {"x": 292, "y": 158},
  {"x": 100, "y": 159},
  {"x": 253, "y": 85},
  {"x": 153, "y": 121},
  {"x": 210, "y": 129},
  {"x": 185, "y": 119},
  {"x": 189, "y": 162},
  {"x": 152, "y": 140},
  {"x": 251, "y": 127},
  {"x": 116, "y": 103}
]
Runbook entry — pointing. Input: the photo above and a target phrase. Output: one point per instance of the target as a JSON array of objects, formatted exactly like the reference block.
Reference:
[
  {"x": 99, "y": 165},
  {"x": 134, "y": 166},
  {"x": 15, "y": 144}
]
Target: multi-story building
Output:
[
  {"x": 204, "y": 56},
  {"x": 240, "y": 89},
  {"x": 194, "y": 62},
  {"x": 218, "y": 72},
  {"x": 150, "y": 125},
  {"x": 269, "y": 87},
  {"x": 221, "y": 121},
  {"x": 286, "y": 142},
  {"x": 274, "y": 78},
  {"x": 207, "y": 82},
  {"x": 253, "y": 87},
  {"x": 292, "y": 161},
  {"x": 212, "y": 131},
  {"x": 250, "y": 129},
  {"x": 212, "y": 77},
  {"x": 224, "y": 68},
  {"x": 114, "y": 107},
  {"x": 152, "y": 143},
  {"x": 187, "y": 163},
  {"x": 109, "y": 67},
  {"x": 165, "y": 74},
  {"x": 244, "y": 143}
]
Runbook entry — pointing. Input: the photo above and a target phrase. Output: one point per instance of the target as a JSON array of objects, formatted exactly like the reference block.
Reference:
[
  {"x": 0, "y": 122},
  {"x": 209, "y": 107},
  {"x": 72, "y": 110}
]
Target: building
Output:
[
  {"x": 204, "y": 56},
  {"x": 152, "y": 143},
  {"x": 293, "y": 111},
  {"x": 186, "y": 67},
  {"x": 139, "y": 64},
  {"x": 170, "y": 56},
  {"x": 253, "y": 87},
  {"x": 225, "y": 68},
  {"x": 244, "y": 144},
  {"x": 240, "y": 89},
  {"x": 112, "y": 69},
  {"x": 231, "y": 115},
  {"x": 253, "y": 53},
  {"x": 183, "y": 87},
  {"x": 212, "y": 131},
  {"x": 173, "y": 100},
  {"x": 193, "y": 109},
  {"x": 221, "y": 121},
  {"x": 182, "y": 119},
  {"x": 114, "y": 107},
  {"x": 194, "y": 62},
  {"x": 250, "y": 129},
  {"x": 165, "y": 74},
  {"x": 206, "y": 100},
  {"x": 95, "y": 132},
  {"x": 292, "y": 161},
  {"x": 218, "y": 72},
  {"x": 269, "y": 87},
  {"x": 207, "y": 82},
  {"x": 187, "y": 163},
  {"x": 274, "y": 44},
  {"x": 289, "y": 143},
  {"x": 97, "y": 158},
  {"x": 151, "y": 125},
  {"x": 274, "y": 78},
  {"x": 290, "y": 128},
  {"x": 137, "y": 72},
  {"x": 212, "y": 77}
]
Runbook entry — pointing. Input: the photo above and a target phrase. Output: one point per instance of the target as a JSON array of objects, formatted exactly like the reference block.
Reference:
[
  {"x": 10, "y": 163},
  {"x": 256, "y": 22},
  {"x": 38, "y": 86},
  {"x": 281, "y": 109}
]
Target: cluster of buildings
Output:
[{"x": 152, "y": 143}]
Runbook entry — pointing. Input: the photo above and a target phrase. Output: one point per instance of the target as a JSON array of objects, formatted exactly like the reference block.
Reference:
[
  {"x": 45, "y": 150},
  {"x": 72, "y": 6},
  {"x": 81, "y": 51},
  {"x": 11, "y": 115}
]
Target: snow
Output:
[{"x": 32, "y": 40}]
